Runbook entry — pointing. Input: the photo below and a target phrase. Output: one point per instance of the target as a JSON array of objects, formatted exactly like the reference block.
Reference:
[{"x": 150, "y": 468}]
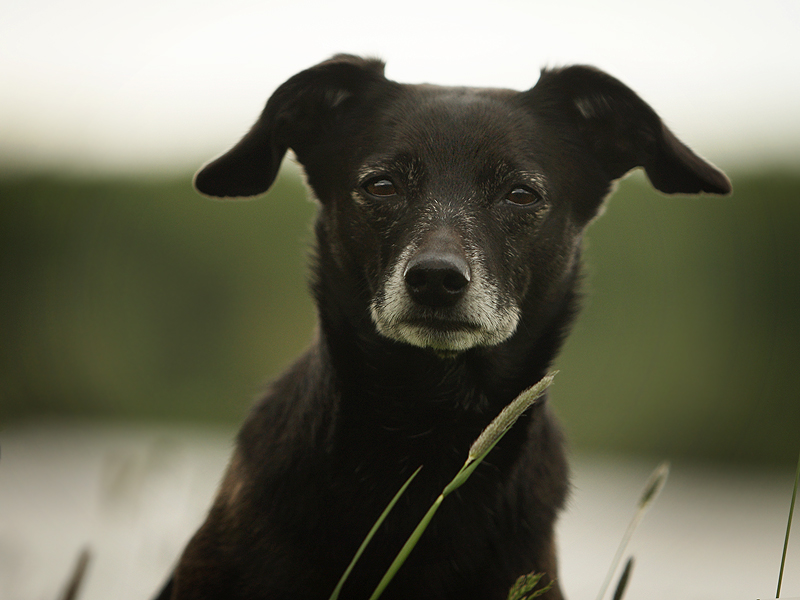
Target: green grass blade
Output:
[
  {"x": 406, "y": 549},
  {"x": 788, "y": 529},
  {"x": 370, "y": 535}
]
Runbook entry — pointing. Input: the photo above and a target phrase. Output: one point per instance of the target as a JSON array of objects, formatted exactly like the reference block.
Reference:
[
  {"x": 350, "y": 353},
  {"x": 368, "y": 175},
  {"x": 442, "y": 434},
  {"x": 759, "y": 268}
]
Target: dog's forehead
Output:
[
  {"x": 448, "y": 129},
  {"x": 437, "y": 113}
]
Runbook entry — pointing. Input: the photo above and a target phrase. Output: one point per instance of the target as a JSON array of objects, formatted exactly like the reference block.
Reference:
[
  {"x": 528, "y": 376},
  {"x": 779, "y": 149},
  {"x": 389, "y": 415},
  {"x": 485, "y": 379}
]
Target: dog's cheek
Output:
[
  {"x": 514, "y": 259},
  {"x": 361, "y": 230},
  {"x": 553, "y": 264},
  {"x": 539, "y": 254}
]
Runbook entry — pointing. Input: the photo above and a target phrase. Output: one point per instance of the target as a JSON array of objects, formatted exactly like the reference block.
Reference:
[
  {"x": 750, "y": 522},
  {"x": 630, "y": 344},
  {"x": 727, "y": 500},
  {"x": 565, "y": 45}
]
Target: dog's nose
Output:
[{"x": 438, "y": 274}]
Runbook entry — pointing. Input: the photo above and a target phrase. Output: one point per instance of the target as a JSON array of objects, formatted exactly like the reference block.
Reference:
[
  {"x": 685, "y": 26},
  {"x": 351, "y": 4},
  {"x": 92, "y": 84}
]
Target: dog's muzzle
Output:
[{"x": 439, "y": 295}]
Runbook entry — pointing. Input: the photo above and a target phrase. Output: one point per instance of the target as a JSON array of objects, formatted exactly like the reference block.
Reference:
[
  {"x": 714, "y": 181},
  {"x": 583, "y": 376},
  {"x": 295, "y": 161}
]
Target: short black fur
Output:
[{"x": 485, "y": 194}]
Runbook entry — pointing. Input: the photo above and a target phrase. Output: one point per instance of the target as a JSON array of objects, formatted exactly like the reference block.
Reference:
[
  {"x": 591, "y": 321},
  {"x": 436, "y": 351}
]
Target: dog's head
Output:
[{"x": 455, "y": 212}]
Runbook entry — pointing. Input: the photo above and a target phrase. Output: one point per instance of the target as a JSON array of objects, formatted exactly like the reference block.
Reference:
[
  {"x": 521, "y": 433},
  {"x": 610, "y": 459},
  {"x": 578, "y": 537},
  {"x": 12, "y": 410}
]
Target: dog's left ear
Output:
[
  {"x": 623, "y": 132},
  {"x": 300, "y": 111}
]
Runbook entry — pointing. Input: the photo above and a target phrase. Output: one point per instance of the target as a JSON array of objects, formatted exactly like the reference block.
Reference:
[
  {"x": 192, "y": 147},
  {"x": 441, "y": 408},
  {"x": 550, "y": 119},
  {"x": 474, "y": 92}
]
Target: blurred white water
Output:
[{"x": 135, "y": 495}]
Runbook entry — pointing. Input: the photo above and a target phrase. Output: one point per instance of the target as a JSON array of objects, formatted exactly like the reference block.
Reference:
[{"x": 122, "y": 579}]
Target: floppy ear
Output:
[
  {"x": 299, "y": 108},
  {"x": 623, "y": 132}
]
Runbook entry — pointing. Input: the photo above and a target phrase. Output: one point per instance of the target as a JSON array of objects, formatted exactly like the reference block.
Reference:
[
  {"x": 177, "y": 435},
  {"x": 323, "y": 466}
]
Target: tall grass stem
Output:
[
  {"x": 371, "y": 533},
  {"x": 407, "y": 548},
  {"x": 788, "y": 529},
  {"x": 622, "y": 584},
  {"x": 651, "y": 491}
]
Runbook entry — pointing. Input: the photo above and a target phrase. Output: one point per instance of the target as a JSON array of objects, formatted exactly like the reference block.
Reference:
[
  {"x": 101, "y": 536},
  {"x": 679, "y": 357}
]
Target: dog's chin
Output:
[{"x": 446, "y": 339}]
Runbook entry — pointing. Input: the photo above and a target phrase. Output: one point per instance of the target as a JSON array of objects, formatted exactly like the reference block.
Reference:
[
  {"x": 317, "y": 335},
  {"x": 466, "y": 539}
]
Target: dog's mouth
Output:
[
  {"x": 439, "y": 334},
  {"x": 443, "y": 325},
  {"x": 445, "y": 335}
]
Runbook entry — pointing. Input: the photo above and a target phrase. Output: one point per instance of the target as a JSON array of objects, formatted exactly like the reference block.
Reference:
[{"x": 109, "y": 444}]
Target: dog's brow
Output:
[
  {"x": 505, "y": 173},
  {"x": 404, "y": 164},
  {"x": 534, "y": 178}
]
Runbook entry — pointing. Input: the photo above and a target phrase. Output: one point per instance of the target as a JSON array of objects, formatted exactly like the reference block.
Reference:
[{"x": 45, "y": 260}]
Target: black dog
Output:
[{"x": 445, "y": 276}]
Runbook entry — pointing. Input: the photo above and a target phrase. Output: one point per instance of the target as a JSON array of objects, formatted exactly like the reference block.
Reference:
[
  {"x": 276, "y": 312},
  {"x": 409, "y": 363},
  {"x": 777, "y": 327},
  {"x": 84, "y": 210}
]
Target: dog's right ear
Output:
[{"x": 300, "y": 108}]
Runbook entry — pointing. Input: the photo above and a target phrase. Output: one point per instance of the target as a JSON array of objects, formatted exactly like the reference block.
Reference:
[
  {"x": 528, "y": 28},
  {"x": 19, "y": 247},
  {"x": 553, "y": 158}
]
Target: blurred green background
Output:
[{"x": 138, "y": 299}]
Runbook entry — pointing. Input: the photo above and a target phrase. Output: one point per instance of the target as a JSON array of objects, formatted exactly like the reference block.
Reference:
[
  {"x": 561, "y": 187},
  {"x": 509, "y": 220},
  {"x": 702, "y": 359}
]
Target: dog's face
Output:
[
  {"x": 455, "y": 217},
  {"x": 456, "y": 211}
]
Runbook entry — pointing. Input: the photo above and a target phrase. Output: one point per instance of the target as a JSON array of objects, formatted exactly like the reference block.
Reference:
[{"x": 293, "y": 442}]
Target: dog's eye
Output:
[
  {"x": 381, "y": 188},
  {"x": 523, "y": 196}
]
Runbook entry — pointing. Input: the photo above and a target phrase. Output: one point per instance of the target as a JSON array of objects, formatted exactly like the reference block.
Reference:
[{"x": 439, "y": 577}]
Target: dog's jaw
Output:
[{"x": 484, "y": 317}]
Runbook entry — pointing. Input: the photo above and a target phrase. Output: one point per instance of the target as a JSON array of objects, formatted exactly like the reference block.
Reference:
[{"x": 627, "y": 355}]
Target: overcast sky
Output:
[{"x": 165, "y": 84}]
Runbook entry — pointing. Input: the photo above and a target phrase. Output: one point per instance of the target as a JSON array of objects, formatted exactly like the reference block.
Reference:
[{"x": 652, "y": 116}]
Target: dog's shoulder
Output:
[{"x": 296, "y": 411}]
